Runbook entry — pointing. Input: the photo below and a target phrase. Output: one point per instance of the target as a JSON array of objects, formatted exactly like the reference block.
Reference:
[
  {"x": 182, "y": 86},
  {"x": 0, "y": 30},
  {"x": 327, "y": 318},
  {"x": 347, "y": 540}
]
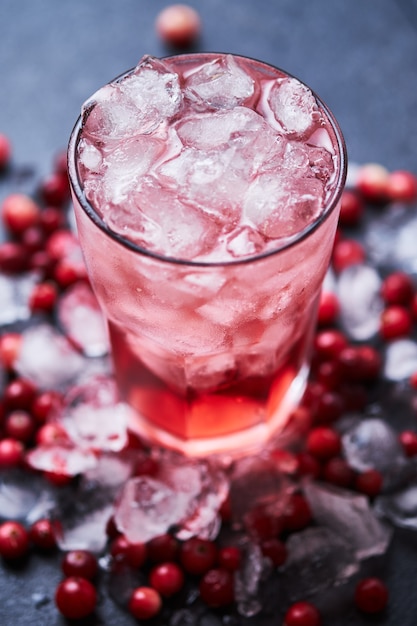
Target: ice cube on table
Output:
[
  {"x": 248, "y": 579},
  {"x": 350, "y": 517},
  {"x": 319, "y": 559},
  {"x": 400, "y": 359},
  {"x": 14, "y": 297},
  {"x": 47, "y": 358},
  {"x": 61, "y": 459},
  {"x": 294, "y": 106},
  {"x": 21, "y": 499},
  {"x": 221, "y": 84},
  {"x": 361, "y": 305},
  {"x": 399, "y": 507}
]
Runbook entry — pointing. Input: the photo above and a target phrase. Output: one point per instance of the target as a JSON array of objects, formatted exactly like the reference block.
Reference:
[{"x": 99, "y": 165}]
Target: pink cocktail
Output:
[{"x": 206, "y": 190}]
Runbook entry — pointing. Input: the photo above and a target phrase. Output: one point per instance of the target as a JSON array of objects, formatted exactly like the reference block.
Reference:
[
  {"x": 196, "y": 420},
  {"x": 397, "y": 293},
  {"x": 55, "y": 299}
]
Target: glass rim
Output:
[{"x": 288, "y": 242}]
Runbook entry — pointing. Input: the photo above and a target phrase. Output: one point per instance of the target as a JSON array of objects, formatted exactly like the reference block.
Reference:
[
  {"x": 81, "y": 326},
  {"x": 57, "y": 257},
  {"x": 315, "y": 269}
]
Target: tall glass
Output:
[{"x": 213, "y": 356}]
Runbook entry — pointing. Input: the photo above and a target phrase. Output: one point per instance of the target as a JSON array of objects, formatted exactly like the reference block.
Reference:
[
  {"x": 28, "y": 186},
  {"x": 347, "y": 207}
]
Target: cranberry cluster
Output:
[{"x": 342, "y": 375}]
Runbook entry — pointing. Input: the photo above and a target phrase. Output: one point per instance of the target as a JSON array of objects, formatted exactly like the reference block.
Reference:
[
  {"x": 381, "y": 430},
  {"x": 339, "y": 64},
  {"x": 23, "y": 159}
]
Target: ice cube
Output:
[
  {"x": 244, "y": 241},
  {"x": 248, "y": 579},
  {"x": 319, "y": 559},
  {"x": 82, "y": 321},
  {"x": 61, "y": 459},
  {"x": 14, "y": 297},
  {"x": 21, "y": 499},
  {"x": 209, "y": 371},
  {"x": 400, "y": 360},
  {"x": 221, "y": 84},
  {"x": 350, "y": 517},
  {"x": 47, "y": 358},
  {"x": 358, "y": 290},
  {"x": 400, "y": 507},
  {"x": 294, "y": 106},
  {"x": 89, "y": 157}
]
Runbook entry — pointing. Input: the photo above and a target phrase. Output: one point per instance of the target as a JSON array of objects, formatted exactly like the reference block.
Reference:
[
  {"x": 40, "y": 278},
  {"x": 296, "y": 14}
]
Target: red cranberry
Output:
[
  {"x": 55, "y": 189},
  {"x": 5, "y": 151},
  {"x": 19, "y": 212},
  {"x": 338, "y": 472},
  {"x": 19, "y": 425},
  {"x": 369, "y": 365},
  {"x": 226, "y": 510},
  {"x": 197, "y": 555},
  {"x": 19, "y": 394},
  {"x": 297, "y": 514},
  {"x": 146, "y": 466},
  {"x": 346, "y": 253},
  {"x": 329, "y": 308},
  {"x": 11, "y": 453},
  {"x": 408, "y": 440},
  {"x": 329, "y": 408},
  {"x": 43, "y": 297},
  {"x": 14, "y": 540},
  {"x": 133, "y": 553},
  {"x": 60, "y": 162},
  {"x": 402, "y": 186},
  {"x": 75, "y": 597},
  {"x": 45, "y": 404},
  {"x": 61, "y": 244},
  {"x": 371, "y": 595},
  {"x": 167, "y": 579},
  {"x": 13, "y": 257},
  {"x": 323, "y": 442},
  {"x": 51, "y": 434},
  {"x": 80, "y": 563},
  {"x": 10, "y": 344},
  {"x": 217, "y": 588},
  {"x": 369, "y": 482},
  {"x": 145, "y": 603},
  {"x": 302, "y": 614},
  {"x": 42, "y": 534},
  {"x": 351, "y": 209},
  {"x": 329, "y": 343},
  {"x": 262, "y": 524},
  {"x": 372, "y": 182},
  {"x": 230, "y": 557},
  {"x": 395, "y": 322},
  {"x": 42, "y": 262},
  {"x": 51, "y": 219},
  {"x": 397, "y": 288},
  {"x": 308, "y": 465},
  {"x": 275, "y": 550},
  {"x": 178, "y": 25},
  {"x": 163, "y": 548},
  {"x": 32, "y": 239}
]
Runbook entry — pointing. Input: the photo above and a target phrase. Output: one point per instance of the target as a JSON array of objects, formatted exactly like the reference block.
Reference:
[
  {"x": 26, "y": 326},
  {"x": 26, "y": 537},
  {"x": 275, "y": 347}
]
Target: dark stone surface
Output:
[{"x": 360, "y": 57}]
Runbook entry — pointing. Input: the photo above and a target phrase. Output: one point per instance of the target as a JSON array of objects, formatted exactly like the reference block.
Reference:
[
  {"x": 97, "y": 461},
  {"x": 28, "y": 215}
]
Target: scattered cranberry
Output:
[
  {"x": 397, "y": 288},
  {"x": 371, "y": 595},
  {"x": 163, "y": 548},
  {"x": 11, "y": 453},
  {"x": 408, "y": 440},
  {"x": 19, "y": 425},
  {"x": 308, "y": 465},
  {"x": 395, "y": 322},
  {"x": 275, "y": 550},
  {"x": 401, "y": 186},
  {"x": 351, "y": 209},
  {"x": 51, "y": 219},
  {"x": 145, "y": 465},
  {"x": 167, "y": 579},
  {"x": 51, "y": 434},
  {"x": 42, "y": 534},
  {"x": 329, "y": 308},
  {"x": 14, "y": 540},
  {"x": 372, "y": 182},
  {"x": 43, "y": 297},
  {"x": 297, "y": 514},
  {"x": 178, "y": 25},
  {"x": 329, "y": 408},
  {"x": 323, "y": 442},
  {"x": 347, "y": 252},
  {"x": 75, "y": 597},
  {"x": 230, "y": 557},
  {"x": 302, "y": 614},
  {"x": 132, "y": 553},
  {"x": 329, "y": 343},
  {"x": 19, "y": 212},
  {"x": 262, "y": 524},
  {"x": 55, "y": 189},
  {"x": 5, "y": 151},
  {"x": 45, "y": 404},
  {"x": 338, "y": 472},
  {"x": 13, "y": 257},
  {"x": 369, "y": 482},
  {"x": 10, "y": 344},
  {"x": 32, "y": 239},
  {"x": 217, "y": 587},
  {"x": 145, "y": 603},
  {"x": 58, "y": 479},
  {"x": 80, "y": 563},
  {"x": 61, "y": 244},
  {"x": 19, "y": 394},
  {"x": 197, "y": 555},
  {"x": 369, "y": 364},
  {"x": 60, "y": 162}
]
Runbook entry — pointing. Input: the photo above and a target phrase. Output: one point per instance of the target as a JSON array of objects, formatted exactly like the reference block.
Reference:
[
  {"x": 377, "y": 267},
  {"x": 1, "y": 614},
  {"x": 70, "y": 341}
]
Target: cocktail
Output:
[{"x": 206, "y": 190}]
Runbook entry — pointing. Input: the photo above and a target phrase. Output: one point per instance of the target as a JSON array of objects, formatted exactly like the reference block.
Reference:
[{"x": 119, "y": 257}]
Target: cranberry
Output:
[
  {"x": 402, "y": 186},
  {"x": 75, "y": 597},
  {"x": 32, "y": 239},
  {"x": 61, "y": 244},
  {"x": 163, "y": 548},
  {"x": 42, "y": 262},
  {"x": 329, "y": 308},
  {"x": 133, "y": 553},
  {"x": 45, "y": 404},
  {"x": 14, "y": 540},
  {"x": 284, "y": 460},
  {"x": 408, "y": 440},
  {"x": 145, "y": 603},
  {"x": 19, "y": 212},
  {"x": 262, "y": 524},
  {"x": 167, "y": 579},
  {"x": 297, "y": 514},
  {"x": 338, "y": 472},
  {"x": 275, "y": 550},
  {"x": 369, "y": 482},
  {"x": 372, "y": 182},
  {"x": 351, "y": 209},
  {"x": 371, "y": 595},
  {"x": 329, "y": 408},
  {"x": 397, "y": 288},
  {"x": 308, "y": 465},
  {"x": 19, "y": 425},
  {"x": 323, "y": 442},
  {"x": 146, "y": 465},
  {"x": 13, "y": 257},
  {"x": 226, "y": 510},
  {"x": 80, "y": 563},
  {"x": 5, "y": 151},
  {"x": 42, "y": 534},
  {"x": 217, "y": 587},
  {"x": 51, "y": 219},
  {"x": 230, "y": 557},
  {"x": 395, "y": 322},
  {"x": 178, "y": 25},
  {"x": 369, "y": 365},
  {"x": 51, "y": 434},
  {"x": 11, "y": 453},
  {"x": 302, "y": 614},
  {"x": 197, "y": 555},
  {"x": 60, "y": 162},
  {"x": 19, "y": 394},
  {"x": 43, "y": 297},
  {"x": 55, "y": 189},
  {"x": 347, "y": 252},
  {"x": 67, "y": 272},
  {"x": 10, "y": 344},
  {"x": 58, "y": 479},
  {"x": 329, "y": 343}
]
